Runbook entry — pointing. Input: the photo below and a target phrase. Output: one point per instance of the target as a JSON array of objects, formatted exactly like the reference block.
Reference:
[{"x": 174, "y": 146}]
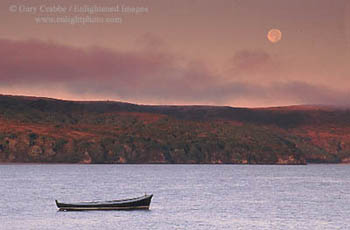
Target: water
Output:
[{"x": 185, "y": 196}]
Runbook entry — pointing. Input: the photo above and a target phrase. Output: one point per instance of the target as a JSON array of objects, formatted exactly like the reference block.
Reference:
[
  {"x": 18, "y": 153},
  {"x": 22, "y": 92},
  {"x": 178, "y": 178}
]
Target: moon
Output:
[{"x": 274, "y": 35}]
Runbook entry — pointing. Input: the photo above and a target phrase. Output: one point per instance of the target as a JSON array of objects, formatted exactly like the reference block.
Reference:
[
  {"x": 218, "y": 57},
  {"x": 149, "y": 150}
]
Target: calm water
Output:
[{"x": 185, "y": 196}]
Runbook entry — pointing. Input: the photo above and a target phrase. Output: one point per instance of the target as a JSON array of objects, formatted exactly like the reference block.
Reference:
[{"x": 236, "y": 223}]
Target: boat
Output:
[{"x": 137, "y": 203}]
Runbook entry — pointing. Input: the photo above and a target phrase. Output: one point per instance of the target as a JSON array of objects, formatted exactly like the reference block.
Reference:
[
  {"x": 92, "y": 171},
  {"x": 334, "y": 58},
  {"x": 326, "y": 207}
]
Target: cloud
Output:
[
  {"x": 254, "y": 65},
  {"x": 306, "y": 93},
  {"x": 50, "y": 62},
  {"x": 148, "y": 76},
  {"x": 248, "y": 60}
]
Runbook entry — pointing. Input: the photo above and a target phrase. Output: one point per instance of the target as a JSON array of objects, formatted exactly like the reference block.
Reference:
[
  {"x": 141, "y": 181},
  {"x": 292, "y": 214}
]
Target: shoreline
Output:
[{"x": 36, "y": 163}]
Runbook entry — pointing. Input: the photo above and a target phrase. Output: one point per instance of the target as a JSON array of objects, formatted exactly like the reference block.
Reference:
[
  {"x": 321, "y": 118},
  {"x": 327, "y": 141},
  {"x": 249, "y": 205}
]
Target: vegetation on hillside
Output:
[{"x": 48, "y": 130}]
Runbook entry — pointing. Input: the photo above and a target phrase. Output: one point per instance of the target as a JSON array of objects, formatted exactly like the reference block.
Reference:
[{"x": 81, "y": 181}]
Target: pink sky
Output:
[{"x": 182, "y": 52}]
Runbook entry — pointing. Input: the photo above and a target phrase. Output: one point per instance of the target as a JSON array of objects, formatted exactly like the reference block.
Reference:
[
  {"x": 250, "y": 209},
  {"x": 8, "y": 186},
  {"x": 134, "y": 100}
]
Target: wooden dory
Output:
[{"x": 142, "y": 202}]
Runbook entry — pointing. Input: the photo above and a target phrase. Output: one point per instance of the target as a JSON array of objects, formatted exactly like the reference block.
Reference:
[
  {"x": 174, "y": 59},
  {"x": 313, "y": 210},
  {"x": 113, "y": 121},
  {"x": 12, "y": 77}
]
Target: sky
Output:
[{"x": 184, "y": 52}]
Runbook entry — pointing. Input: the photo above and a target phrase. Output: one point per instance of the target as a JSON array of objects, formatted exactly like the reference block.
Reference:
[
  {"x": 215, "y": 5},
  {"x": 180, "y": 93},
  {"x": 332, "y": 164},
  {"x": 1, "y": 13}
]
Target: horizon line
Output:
[{"x": 305, "y": 106}]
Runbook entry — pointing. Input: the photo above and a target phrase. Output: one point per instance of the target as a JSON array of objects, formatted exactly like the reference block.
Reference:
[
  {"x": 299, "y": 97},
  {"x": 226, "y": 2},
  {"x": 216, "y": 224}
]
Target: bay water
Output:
[{"x": 185, "y": 196}]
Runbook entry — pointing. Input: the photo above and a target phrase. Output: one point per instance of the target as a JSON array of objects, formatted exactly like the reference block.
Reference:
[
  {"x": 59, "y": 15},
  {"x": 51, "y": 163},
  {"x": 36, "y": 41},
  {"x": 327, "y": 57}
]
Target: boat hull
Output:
[{"x": 140, "y": 203}]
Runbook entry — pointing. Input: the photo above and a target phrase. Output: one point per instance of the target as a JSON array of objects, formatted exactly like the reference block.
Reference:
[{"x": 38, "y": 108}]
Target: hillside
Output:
[{"x": 56, "y": 131}]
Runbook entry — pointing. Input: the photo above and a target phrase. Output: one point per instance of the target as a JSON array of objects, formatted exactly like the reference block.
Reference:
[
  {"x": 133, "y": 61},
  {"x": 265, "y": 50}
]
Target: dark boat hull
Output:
[{"x": 138, "y": 203}]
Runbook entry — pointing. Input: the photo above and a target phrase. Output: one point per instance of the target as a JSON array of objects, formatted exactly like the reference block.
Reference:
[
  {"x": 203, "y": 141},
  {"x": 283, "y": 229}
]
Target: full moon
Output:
[{"x": 274, "y": 35}]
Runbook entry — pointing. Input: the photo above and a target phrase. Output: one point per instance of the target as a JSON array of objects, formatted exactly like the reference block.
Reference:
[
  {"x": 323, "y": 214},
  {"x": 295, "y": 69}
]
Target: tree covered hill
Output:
[{"x": 56, "y": 131}]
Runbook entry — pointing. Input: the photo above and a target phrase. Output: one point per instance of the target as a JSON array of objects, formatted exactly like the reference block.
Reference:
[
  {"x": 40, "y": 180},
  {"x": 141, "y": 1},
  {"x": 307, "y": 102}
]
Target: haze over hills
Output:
[{"x": 56, "y": 131}]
